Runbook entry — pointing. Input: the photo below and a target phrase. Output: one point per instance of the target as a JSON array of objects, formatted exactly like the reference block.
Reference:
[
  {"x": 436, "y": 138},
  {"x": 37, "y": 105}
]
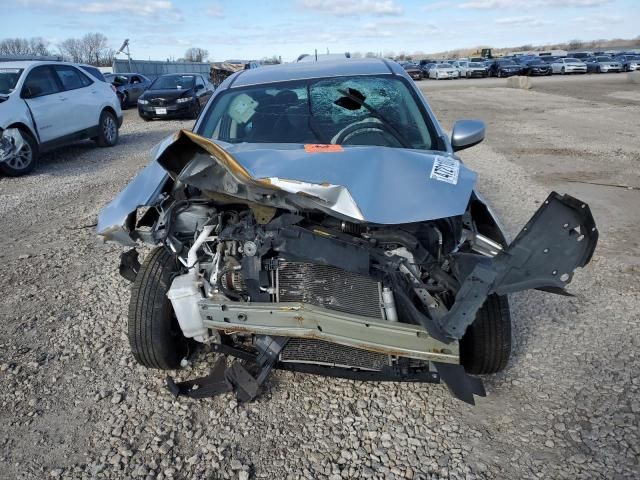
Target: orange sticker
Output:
[{"x": 321, "y": 147}]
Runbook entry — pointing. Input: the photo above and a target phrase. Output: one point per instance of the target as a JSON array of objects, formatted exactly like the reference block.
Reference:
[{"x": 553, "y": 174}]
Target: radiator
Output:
[
  {"x": 334, "y": 289},
  {"x": 329, "y": 287},
  {"x": 302, "y": 350}
]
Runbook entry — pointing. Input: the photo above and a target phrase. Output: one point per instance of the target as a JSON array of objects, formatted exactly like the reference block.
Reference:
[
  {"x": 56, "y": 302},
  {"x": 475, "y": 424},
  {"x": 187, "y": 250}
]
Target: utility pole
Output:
[{"x": 125, "y": 44}]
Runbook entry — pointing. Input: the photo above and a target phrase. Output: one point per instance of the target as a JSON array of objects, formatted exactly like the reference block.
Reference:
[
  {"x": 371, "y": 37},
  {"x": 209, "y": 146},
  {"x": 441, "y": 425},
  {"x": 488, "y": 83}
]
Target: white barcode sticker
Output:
[{"x": 445, "y": 170}]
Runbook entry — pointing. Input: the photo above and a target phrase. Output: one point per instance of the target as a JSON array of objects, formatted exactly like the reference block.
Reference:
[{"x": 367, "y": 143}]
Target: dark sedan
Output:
[
  {"x": 129, "y": 86},
  {"x": 535, "y": 66},
  {"x": 175, "y": 95},
  {"x": 504, "y": 68},
  {"x": 413, "y": 70}
]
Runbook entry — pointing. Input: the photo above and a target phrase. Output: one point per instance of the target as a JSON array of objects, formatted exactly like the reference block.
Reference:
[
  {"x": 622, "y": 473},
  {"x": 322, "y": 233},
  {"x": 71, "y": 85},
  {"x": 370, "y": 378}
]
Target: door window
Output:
[
  {"x": 71, "y": 78},
  {"x": 199, "y": 81},
  {"x": 135, "y": 79},
  {"x": 41, "y": 81}
]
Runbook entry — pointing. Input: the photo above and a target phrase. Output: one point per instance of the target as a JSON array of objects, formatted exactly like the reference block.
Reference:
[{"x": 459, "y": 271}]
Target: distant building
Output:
[{"x": 154, "y": 68}]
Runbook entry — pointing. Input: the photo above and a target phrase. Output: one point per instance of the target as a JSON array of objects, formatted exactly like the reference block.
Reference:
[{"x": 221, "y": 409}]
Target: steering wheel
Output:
[{"x": 368, "y": 126}]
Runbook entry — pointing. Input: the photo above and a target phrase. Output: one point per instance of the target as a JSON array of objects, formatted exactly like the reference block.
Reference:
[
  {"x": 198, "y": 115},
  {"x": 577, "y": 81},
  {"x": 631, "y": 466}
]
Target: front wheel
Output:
[
  {"x": 486, "y": 345},
  {"x": 154, "y": 333},
  {"x": 107, "y": 130},
  {"x": 25, "y": 159}
]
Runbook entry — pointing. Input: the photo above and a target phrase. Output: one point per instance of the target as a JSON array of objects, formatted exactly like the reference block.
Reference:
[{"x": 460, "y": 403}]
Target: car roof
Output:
[
  {"x": 34, "y": 63},
  {"x": 304, "y": 70},
  {"x": 28, "y": 63}
]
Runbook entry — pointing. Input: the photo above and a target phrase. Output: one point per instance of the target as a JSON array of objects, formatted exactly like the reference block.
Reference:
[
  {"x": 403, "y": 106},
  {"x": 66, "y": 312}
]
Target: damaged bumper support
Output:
[{"x": 559, "y": 238}]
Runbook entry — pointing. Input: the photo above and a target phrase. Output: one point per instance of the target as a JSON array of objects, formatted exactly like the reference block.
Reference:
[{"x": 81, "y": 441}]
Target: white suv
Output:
[{"x": 44, "y": 105}]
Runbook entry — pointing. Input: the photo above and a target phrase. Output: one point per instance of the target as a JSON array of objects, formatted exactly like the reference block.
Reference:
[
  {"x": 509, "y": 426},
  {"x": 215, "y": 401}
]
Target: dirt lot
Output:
[{"x": 74, "y": 405}]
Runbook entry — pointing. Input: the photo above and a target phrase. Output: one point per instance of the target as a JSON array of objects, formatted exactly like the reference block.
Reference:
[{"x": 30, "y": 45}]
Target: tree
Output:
[
  {"x": 72, "y": 49},
  {"x": 370, "y": 55},
  {"x": 24, "y": 46},
  {"x": 272, "y": 60},
  {"x": 196, "y": 54},
  {"x": 575, "y": 44},
  {"x": 92, "y": 48}
]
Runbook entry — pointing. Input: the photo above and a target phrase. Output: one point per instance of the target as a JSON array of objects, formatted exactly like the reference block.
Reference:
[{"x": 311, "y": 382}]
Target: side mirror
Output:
[
  {"x": 467, "y": 133},
  {"x": 199, "y": 87}
]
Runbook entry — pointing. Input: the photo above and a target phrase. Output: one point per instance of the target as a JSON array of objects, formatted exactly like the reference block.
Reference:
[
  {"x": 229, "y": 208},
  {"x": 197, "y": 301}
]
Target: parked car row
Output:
[
  {"x": 48, "y": 104},
  {"x": 522, "y": 65}
]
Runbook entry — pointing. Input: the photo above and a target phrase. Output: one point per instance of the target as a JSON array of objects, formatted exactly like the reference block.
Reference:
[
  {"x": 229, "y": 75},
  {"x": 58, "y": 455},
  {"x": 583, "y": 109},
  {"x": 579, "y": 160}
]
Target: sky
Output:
[{"x": 232, "y": 29}]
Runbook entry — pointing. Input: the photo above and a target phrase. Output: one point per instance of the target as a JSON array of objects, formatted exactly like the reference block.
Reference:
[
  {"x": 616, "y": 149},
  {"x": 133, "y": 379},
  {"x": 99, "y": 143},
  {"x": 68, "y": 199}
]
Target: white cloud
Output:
[
  {"x": 491, "y": 4},
  {"x": 215, "y": 10},
  {"x": 525, "y": 20},
  {"x": 438, "y": 6},
  {"x": 600, "y": 19},
  {"x": 346, "y": 7},
  {"x": 142, "y": 8}
]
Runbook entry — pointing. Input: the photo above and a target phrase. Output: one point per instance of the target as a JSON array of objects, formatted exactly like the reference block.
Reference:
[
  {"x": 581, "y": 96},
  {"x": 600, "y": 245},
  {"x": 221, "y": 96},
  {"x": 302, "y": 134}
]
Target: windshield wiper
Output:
[{"x": 357, "y": 97}]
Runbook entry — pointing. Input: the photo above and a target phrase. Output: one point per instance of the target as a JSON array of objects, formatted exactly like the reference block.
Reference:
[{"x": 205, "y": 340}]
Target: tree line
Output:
[{"x": 91, "y": 48}]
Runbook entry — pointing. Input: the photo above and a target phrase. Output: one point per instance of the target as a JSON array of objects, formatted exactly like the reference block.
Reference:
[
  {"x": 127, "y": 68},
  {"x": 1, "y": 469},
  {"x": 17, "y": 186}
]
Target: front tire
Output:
[
  {"x": 154, "y": 333},
  {"x": 486, "y": 345},
  {"x": 107, "y": 129},
  {"x": 26, "y": 160}
]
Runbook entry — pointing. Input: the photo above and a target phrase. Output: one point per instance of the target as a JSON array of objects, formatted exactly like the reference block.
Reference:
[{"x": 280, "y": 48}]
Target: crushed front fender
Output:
[
  {"x": 560, "y": 237},
  {"x": 116, "y": 221}
]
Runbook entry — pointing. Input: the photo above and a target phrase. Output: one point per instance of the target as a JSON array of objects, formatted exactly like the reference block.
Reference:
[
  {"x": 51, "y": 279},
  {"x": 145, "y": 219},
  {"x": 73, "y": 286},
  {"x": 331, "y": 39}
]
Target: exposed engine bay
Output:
[{"x": 288, "y": 279}]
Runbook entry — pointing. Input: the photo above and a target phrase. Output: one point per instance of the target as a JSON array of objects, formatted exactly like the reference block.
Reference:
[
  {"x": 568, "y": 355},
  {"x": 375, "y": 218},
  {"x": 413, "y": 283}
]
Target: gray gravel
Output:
[{"x": 73, "y": 404}]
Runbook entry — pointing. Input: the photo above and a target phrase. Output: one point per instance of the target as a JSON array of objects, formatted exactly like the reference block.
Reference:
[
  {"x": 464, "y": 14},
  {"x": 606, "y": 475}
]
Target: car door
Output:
[
  {"x": 201, "y": 91},
  {"x": 43, "y": 93},
  {"x": 136, "y": 87},
  {"x": 81, "y": 98}
]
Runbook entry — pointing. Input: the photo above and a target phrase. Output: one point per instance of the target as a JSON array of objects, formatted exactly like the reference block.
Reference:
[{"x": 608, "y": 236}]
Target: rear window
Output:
[
  {"x": 93, "y": 71},
  {"x": 71, "y": 78}
]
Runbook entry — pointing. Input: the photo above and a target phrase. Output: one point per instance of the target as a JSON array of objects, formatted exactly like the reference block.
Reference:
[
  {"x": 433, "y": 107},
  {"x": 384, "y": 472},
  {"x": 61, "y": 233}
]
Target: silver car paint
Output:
[
  {"x": 146, "y": 187},
  {"x": 366, "y": 184}
]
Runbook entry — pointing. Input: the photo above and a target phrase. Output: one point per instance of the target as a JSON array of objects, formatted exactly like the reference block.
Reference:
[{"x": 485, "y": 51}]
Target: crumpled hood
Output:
[
  {"x": 386, "y": 186},
  {"x": 365, "y": 183}
]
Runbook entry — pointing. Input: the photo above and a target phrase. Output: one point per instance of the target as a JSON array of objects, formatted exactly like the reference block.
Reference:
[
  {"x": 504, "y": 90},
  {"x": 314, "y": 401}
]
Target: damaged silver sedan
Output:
[{"x": 318, "y": 220}]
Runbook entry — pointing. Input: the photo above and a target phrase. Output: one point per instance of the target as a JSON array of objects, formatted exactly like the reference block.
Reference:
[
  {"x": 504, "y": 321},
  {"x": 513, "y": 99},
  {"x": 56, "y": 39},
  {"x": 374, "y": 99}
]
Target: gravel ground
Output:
[{"x": 73, "y": 404}]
